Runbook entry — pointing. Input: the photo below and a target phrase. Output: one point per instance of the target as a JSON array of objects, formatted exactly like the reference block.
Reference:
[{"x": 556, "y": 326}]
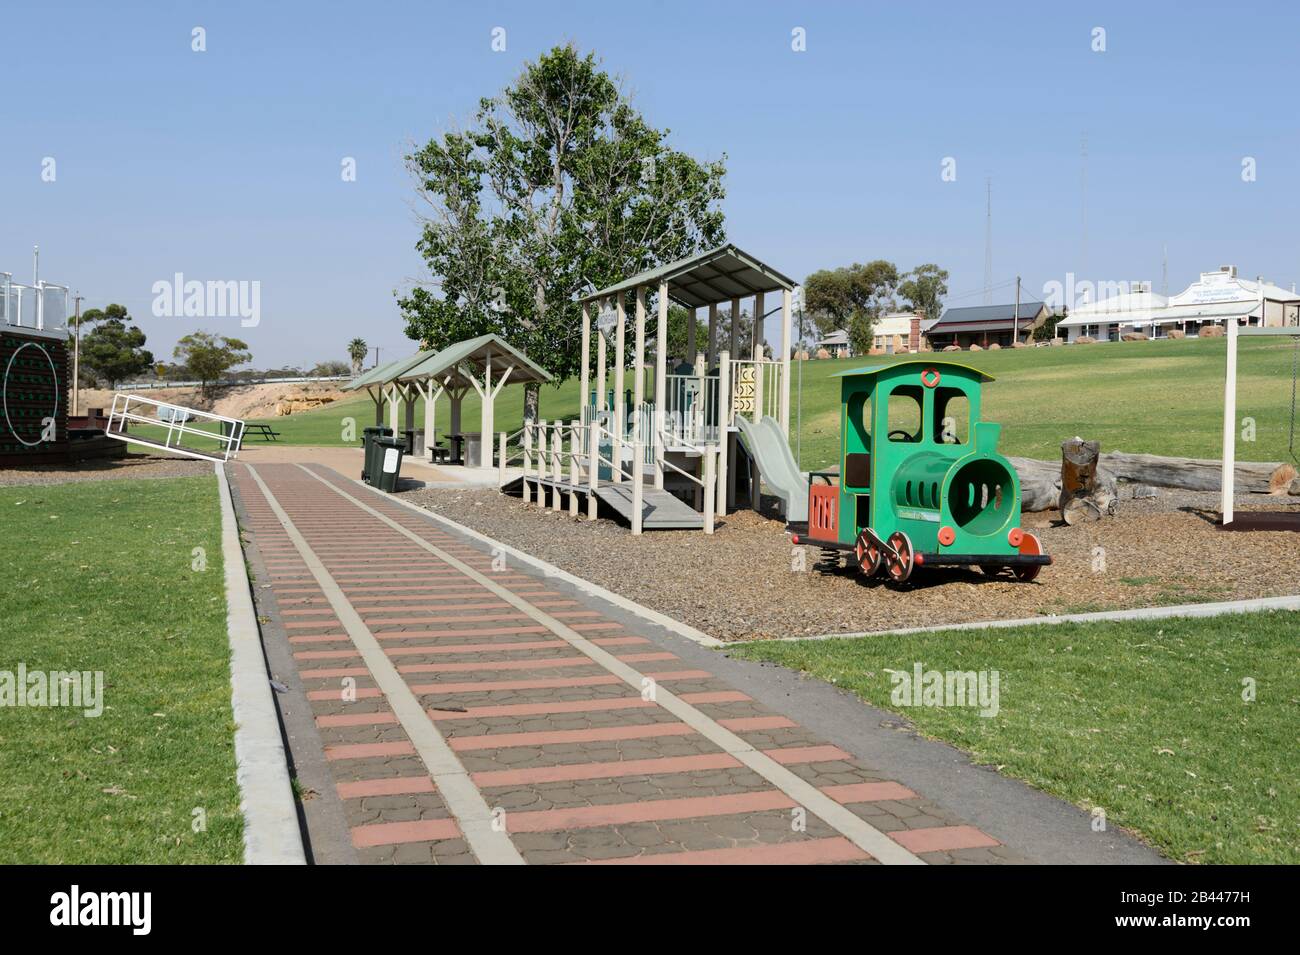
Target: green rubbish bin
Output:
[
  {"x": 388, "y": 463},
  {"x": 368, "y": 436}
]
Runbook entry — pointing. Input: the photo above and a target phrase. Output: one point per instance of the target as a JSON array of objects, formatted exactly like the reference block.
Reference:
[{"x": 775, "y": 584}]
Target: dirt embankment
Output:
[{"x": 236, "y": 401}]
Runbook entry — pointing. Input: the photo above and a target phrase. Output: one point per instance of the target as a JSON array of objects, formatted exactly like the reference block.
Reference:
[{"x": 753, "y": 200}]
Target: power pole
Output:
[
  {"x": 1015, "y": 319},
  {"x": 76, "y": 358},
  {"x": 376, "y": 356},
  {"x": 988, "y": 240}
]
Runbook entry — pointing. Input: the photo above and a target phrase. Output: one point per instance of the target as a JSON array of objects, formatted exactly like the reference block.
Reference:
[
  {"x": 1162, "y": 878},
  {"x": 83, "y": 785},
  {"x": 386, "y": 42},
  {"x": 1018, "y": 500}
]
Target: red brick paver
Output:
[{"x": 575, "y": 764}]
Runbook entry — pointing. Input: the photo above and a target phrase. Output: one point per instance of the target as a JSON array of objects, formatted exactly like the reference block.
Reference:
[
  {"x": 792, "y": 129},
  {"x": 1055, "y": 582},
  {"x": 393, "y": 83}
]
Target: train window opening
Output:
[
  {"x": 857, "y": 470},
  {"x": 951, "y": 416},
  {"x": 904, "y": 414}
]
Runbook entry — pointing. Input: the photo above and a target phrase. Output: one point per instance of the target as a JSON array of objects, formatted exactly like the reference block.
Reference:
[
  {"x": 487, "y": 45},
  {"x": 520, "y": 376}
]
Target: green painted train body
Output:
[{"x": 921, "y": 481}]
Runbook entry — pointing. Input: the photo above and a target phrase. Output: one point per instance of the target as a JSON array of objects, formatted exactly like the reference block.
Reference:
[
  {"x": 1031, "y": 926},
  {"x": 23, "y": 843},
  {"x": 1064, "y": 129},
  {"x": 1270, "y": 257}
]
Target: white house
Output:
[{"x": 1211, "y": 300}]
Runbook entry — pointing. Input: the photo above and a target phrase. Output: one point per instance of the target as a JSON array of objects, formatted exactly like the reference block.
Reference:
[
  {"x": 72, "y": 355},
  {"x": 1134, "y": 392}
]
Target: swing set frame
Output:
[{"x": 1252, "y": 520}]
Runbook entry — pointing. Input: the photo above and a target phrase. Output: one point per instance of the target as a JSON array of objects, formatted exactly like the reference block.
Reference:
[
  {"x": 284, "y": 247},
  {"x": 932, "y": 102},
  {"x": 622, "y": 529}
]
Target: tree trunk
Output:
[
  {"x": 532, "y": 399},
  {"x": 1040, "y": 483},
  {"x": 1083, "y": 497}
]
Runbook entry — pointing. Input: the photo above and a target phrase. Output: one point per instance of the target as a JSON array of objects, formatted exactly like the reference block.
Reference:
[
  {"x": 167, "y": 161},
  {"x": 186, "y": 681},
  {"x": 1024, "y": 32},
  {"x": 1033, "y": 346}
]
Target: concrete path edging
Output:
[
  {"x": 550, "y": 570},
  {"x": 271, "y": 832},
  {"x": 1222, "y": 608}
]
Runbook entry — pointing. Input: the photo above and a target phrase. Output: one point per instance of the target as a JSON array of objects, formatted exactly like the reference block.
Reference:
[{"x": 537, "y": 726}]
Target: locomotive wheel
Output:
[
  {"x": 900, "y": 563},
  {"x": 868, "y": 555},
  {"x": 1029, "y": 544},
  {"x": 991, "y": 570}
]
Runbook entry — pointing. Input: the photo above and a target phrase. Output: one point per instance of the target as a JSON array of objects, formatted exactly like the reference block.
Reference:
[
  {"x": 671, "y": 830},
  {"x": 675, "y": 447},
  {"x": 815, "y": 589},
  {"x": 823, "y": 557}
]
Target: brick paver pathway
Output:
[{"x": 471, "y": 714}]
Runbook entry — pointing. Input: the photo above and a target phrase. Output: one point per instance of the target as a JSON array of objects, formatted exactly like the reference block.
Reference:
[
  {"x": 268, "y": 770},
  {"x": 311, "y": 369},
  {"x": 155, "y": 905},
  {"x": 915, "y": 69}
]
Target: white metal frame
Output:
[
  {"x": 1228, "y": 479},
  {"x": 128, "y": 408}
]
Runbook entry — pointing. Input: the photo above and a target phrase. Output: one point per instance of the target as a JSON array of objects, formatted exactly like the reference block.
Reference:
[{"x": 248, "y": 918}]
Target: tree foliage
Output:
[
  {"x": 357, "y": 351},
  {"x": 924, "y": 288},
  {"x": 557, "y": 187},
  {"x": 851, "y": 297},
  {"x": 209, "y": 357},
  {"x": 113, "y": 350}
]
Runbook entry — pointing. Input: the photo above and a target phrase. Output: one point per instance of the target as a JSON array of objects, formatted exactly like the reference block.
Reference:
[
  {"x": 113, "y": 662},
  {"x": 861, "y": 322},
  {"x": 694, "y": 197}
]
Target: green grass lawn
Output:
[
  {"x": 1145, "y": 720},
  {"x": 1163, "y": 397},
  {"x": 99, "y": 576}
]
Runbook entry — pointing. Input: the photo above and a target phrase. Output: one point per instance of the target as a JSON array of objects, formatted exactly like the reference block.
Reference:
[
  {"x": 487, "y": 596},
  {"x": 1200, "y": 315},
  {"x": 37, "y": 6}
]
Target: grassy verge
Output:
[
  {"x": 100, "y": 577},
  {"x": 1146, "y": 720},
  {"x": 1162, "y": 397}
]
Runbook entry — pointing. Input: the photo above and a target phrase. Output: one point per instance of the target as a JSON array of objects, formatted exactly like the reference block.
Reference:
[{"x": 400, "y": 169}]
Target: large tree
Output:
[
  {"x": 113, "y": 350},
  {"x": 209, "y": 356},
  {"x": 924, "y": 288},
  {"x": 357, "y": 351},
  {"x": 557, "y": 187},
  {"x": 851, "y": 297}
]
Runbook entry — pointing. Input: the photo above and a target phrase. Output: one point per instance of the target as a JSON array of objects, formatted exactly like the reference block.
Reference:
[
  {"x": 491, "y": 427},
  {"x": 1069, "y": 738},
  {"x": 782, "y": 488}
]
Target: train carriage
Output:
[{"x": 920, "y": 481}]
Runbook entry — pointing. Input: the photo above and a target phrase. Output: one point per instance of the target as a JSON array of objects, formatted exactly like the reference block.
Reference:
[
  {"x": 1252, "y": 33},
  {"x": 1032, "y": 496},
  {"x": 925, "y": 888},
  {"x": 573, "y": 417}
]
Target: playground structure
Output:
[
  {"x": 1253, "y": 520},
  {"x": 485, "y": 364},
  {"x": 667, "y": 454},
  {"x": 34, "y": 364},
  {"x": 920, "y": 482},
  {"x": 167, "y": 426}
]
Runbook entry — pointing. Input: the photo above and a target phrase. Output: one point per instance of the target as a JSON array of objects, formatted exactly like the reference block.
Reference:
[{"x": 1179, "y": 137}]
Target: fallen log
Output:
[{"x": 1188, "y": 474}]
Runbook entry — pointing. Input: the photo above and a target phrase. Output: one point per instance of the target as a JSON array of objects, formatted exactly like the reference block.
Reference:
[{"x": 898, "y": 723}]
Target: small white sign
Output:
[{"x": 390, "y": 460}]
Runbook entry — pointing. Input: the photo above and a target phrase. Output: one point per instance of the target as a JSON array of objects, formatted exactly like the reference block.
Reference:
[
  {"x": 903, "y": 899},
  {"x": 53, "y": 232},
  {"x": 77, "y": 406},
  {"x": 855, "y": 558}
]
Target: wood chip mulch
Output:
[{"x": 748, "y": 582}]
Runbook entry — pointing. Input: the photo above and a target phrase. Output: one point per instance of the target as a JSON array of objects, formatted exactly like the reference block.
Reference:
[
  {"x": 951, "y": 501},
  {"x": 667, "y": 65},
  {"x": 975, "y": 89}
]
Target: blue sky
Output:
[{"x": 225, "y": 164}]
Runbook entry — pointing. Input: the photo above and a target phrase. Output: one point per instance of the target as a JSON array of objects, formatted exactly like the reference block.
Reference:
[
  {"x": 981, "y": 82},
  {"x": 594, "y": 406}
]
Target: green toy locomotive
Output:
[{"x": 921, "y": 483}]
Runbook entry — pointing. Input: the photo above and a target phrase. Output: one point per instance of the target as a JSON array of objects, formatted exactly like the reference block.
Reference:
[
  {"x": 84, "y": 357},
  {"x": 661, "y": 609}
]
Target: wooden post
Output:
[
  {"x": 638, "y": 364},
  {"x": 485, "y": 416},
  {"x": 710, "y": 488},
  {"x": 620, "y": 407},
  {"x": 501, "y": 461},
  {"x": 528, "y": 460},
  {"x": 661, "y": 383},
  {"x": 785, "y": 362},
  {"x": 585, "y": 376},
  {"x": 1229, "y": 422},
  {"x": 557, "y": 471},
  {"x": 392, "y": 409},
  {"x": 724, "y": 424},
  {"x": 593, "y": 467},
  {"x": 692, "y": 319},
  {"x": 575, "y": 446},
  {"x": 430, "y": 415},
  {"x": 541, "y": 462},
  {"x": 638, "y": 453},
  {"x": 600, "y": 373},
  {"x": 713, "y": 334},
  {"x": 735, "y": 348}
]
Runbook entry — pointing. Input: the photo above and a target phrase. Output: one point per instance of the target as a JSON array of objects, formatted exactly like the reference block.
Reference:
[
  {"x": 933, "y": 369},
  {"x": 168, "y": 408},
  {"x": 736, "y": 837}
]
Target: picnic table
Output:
[{"x": 262, "y": 430}]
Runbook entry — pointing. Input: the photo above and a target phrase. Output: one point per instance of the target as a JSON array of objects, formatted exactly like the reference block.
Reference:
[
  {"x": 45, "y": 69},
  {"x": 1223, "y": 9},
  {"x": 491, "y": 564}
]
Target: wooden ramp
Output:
[{"x": 660, "y": 511}]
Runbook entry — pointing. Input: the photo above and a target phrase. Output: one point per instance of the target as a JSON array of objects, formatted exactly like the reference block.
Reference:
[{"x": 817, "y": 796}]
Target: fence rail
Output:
[{"x": 173, "y": 421}]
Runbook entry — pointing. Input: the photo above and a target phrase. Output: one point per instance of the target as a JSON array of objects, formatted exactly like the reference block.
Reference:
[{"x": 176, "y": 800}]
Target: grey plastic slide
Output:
[{"x": 776, "y": 464}]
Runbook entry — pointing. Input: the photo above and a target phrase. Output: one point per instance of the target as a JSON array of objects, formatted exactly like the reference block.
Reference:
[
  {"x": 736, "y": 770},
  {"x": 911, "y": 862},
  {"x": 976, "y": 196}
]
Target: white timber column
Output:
[
  {"x": 453, "y": 425},
  {"x": 620, "y": 406},
  {"x": 393, "y": 409},
  {"x": 661, "y": 381},
  {"x": 724, "y": 424},
  {"x": 693, "y": 317},
  {"x": 734, "y": 348},
  {"x": 378, "y": 399},
  {"x": 485, "y": 415},
  {"x": 409, "y": 402},
  {"x": 1229, "y": 422},
  {"x": 713, "y": 334},
  {"x": 431, "y": 392},
  {"x": 638, "y": 366},
  {"x": 585, "y": 377},
  {"x": 785, "y": 362},
  {"x": 758, "y": 357}
]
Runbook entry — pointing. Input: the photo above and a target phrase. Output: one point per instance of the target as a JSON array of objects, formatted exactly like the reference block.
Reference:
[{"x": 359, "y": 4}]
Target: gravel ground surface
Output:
[
  {"x": 1156, "y": 551},
  {"x": 131, "y": 466}
]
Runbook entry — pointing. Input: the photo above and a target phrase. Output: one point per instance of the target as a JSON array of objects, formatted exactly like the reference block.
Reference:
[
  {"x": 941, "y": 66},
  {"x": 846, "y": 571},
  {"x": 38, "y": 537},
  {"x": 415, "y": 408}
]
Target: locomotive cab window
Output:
[
  {"x": 857, "y": 464},
  {"x": 904, "y": 414},
  {"x": 951, "y": 416}
]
